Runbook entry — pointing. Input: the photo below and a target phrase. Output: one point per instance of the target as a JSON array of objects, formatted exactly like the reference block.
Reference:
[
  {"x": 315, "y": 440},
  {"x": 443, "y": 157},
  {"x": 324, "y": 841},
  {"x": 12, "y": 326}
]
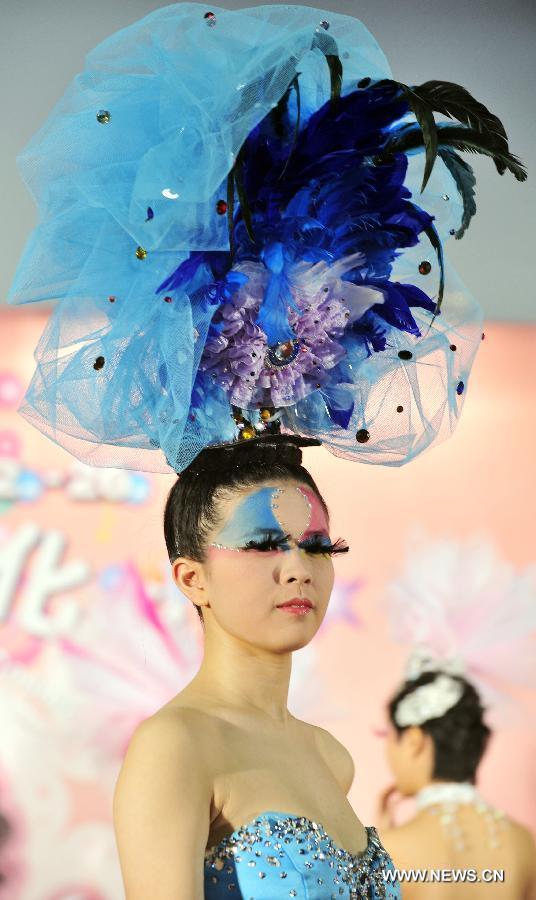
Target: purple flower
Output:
[{"x": 237, "y": 353}]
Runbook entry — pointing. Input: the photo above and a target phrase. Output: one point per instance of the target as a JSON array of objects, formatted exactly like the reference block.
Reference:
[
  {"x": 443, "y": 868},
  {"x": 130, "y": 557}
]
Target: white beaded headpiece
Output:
[
  {"x": 432, "y": 700},
  {"x": 429, "y": 701}
]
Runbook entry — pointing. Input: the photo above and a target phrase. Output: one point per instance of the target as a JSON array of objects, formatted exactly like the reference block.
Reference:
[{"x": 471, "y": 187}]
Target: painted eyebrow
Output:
[
  {"x": 262, "y": 532},
  {"x": 279, "y": 533},
  {"x": 308, "y": 534}
]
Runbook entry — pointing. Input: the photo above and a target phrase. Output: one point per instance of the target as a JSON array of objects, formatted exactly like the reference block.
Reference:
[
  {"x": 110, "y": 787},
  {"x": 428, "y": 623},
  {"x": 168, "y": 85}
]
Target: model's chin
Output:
[
  {"x": 298, "y": 631},
  {"x": 292, "y": 645}
]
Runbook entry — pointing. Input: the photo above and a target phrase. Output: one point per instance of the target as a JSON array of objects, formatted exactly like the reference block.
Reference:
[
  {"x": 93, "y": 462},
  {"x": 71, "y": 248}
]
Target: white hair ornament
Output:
[{"x": 429, "y": 701}]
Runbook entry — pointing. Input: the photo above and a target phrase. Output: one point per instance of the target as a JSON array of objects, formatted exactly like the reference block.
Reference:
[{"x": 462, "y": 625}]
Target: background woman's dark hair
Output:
[
  {"x": 460, "y": 736},
  {"x": 5, "y": 833},
  {"x": 191, "y": 511}
]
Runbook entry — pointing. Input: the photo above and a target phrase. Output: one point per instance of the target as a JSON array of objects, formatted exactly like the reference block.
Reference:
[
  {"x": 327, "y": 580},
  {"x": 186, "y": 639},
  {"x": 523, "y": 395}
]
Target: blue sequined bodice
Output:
[{"x": 278, "y": 856}]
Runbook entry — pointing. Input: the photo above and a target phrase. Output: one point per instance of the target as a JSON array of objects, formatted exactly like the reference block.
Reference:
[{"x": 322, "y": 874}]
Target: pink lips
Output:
[
  {"x": 296, "y": 601},
  {"x": 299, "y": 606}
]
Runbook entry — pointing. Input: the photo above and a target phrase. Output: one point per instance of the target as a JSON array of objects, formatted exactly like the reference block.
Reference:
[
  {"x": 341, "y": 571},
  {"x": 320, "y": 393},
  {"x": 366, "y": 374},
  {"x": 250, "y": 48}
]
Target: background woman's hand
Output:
[{"x": 387, "y": 801}]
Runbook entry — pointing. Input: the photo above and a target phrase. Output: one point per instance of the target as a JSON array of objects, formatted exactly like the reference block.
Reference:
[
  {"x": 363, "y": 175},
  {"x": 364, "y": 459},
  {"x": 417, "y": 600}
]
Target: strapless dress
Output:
[{"x": 278, "y": 855}]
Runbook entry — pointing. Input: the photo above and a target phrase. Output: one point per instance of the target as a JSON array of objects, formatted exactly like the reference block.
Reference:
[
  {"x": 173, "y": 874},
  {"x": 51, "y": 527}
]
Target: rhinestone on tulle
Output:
[
  {"x": 169, "y": 194},
  {"x": 210, "y": 19},
  {"x": 460, "y": 387},
  {"x": 425, "y": 267},
  {"x": 103, "y": 116},
  {"x": 99, "y": 363},
  {"x": 405, "y": 354},
  {"x": 141, "y": 252},
  {"x": 221, "y": 207},
  {"x": 324, "y": 24},
  {"x": 362, "y": 436}
]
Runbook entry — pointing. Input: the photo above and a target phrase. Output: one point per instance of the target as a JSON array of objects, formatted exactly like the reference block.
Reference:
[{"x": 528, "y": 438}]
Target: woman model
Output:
[
  {"x": 246, "y": 257},
  {"x": 472, "y": 638},
  {"x": 436, "y": 762},
  {"x": 228, "y": 773}
]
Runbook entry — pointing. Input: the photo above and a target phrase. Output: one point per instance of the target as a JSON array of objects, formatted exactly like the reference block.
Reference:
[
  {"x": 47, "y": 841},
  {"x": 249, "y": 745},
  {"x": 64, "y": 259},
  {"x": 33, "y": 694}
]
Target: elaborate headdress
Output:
[
  {"x": 462, "y": 611},
  {"x": 241, "y": 244}
]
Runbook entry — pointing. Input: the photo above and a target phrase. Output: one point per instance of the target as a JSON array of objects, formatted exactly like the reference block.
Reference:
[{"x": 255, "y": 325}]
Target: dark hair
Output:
[
  {"x": 460, "y": 736},
  {"x": 191, "y": 510},
  {"x": 5, "y": 833}
]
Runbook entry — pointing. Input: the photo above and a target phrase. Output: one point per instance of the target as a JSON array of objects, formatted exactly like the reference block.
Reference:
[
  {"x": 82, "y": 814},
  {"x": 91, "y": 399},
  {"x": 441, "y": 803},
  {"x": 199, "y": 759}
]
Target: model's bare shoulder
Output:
[
  {"x": 161, "y": 808},
  {"x": 337, "y": 757}
]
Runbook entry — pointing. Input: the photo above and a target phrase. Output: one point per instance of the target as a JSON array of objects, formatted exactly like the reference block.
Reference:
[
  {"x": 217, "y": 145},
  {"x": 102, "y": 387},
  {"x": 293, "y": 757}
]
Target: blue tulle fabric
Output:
[{"x": 163, "y": 327}]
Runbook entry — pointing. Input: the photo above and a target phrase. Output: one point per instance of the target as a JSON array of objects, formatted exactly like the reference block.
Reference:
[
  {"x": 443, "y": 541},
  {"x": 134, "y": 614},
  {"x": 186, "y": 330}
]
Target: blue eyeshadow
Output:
[{"x": 253, "y": 517}]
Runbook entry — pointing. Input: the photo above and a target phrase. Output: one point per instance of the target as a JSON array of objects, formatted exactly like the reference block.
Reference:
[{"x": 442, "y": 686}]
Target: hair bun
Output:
[{"x": 280, "y": 448}]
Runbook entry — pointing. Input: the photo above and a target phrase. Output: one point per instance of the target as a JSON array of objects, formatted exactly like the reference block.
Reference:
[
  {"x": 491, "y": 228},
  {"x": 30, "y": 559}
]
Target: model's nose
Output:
[{"x": 294, "y": 567}]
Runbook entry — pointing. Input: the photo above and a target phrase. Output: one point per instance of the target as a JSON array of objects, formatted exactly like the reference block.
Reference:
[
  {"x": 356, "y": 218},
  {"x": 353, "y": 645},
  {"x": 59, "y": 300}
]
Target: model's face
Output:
[
  {"x": 409, "y": 767},
  {"x": 272, "y": 547}
]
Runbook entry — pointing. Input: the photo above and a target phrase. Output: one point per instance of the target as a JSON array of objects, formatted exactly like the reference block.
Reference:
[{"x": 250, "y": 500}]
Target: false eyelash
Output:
[
  {"x": 269, "y": 543},
  {"x": 340, "y": 546},
  {"x": 313, "y": 547}
]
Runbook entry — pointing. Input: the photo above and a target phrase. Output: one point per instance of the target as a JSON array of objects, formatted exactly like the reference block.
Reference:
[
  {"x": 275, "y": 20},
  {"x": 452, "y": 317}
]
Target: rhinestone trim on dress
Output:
[{"x": 361, "y": 873}]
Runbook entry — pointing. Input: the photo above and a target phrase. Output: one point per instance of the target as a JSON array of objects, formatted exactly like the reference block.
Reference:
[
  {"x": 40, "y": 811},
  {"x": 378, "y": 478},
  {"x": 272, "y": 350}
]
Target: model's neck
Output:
[{"x": 236, "y": 674}]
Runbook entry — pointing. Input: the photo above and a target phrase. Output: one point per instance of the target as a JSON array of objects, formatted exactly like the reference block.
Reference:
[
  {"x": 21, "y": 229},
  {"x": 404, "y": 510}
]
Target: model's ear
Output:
[
  {"x": 415, "y": 740},
  {"x": 189, "y": 576}
]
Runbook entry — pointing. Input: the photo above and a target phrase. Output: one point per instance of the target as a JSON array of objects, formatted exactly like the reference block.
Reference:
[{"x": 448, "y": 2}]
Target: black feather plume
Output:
[
  {"x": 465, "y": 181},
  {"x": 277, "y": 114},
  {"x": 435, "y": 241},
  {"x": 425, "y": 118},
  {"x": 296, "y": 85},
  {"x": 335, "y": 72},
  {"x": 328, "y": 46},
  {"x": 461, "y": 138},
  {"x": 242, "y": 196},
  {"x": 456, "y": 102}
]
